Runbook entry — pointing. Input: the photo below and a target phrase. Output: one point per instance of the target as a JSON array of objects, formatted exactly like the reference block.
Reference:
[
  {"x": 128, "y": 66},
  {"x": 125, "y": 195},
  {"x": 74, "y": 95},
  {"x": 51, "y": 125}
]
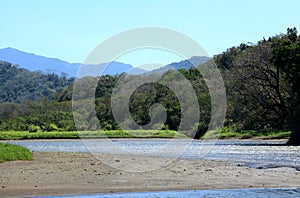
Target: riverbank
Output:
[
  {"x": 228, "y": 133},
  {"x": 223, "y": 134},
  {"x": 81, "y": 173},
  {"x": 25, "y": 135}
]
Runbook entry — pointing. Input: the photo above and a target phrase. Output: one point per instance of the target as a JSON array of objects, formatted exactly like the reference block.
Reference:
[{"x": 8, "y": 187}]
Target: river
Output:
[
  {"x": 257, "y": 154},
  {"x": 253, "y": 153},
  {"x": 232, "y": 193}
]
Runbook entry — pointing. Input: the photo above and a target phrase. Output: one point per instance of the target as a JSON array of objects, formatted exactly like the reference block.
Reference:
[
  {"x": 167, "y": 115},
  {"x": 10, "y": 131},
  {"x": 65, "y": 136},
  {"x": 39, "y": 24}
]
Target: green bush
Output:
[
  {"x": 33, "y": 128},
  {"x": 50, "y": 127},
  {"x": 106, "y": 126}
]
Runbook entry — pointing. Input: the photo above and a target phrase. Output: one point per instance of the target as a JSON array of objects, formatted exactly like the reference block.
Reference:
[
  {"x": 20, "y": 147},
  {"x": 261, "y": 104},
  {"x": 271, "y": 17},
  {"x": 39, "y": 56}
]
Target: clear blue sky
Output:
[{"x": 70, "y": 29}]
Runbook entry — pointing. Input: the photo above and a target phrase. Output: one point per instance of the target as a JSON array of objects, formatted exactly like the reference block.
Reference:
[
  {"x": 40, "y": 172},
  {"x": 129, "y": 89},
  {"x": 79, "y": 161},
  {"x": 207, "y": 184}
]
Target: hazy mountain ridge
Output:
[
  {"x": 34, "y": 62},
  {"x": 184, "y": 64}
]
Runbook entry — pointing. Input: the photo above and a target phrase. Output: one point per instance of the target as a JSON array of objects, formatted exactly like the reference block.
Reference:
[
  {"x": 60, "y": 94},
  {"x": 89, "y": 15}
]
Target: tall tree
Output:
[
  {"x": 286, "y": 56},
  {"x": 256, "y": 83}
]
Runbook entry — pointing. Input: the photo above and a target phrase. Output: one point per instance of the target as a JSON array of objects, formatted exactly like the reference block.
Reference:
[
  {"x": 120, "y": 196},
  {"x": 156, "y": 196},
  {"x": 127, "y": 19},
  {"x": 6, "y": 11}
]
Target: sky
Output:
[{"x": 71, "y": 29}]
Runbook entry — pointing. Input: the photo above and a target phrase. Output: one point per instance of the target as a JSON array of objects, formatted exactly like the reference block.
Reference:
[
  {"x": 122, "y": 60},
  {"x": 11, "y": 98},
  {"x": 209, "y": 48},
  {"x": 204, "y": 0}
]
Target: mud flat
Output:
[{"x": 52, "y": 173}]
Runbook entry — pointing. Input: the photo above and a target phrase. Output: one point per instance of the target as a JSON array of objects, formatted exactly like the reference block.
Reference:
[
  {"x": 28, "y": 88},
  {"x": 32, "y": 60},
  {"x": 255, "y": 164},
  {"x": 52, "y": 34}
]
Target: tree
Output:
[
  {"x": 286, "y": 56},
  {"x": 256, "y": 90},
  {"x": 17, "y": 84}
]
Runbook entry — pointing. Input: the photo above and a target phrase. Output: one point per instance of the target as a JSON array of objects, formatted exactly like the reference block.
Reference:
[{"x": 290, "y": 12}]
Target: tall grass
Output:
[
  {"x": 228, "y": 132},
  {"x": 9, "y": 152},
  {"x": 221, "y": 134},
  {"x": 17, "y": 135}
]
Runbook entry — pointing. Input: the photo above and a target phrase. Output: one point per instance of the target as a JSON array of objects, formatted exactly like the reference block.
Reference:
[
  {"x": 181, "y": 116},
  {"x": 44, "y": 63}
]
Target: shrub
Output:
[
  {"x": 33, "y": 128},
  {"x": 106, "y": 126},
  {"x": 50, "y": 127}
]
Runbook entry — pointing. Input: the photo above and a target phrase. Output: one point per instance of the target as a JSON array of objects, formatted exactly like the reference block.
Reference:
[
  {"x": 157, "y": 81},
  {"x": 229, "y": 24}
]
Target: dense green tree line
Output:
[
  {"x": 17, "y": 84},
  {"x": 142, "y": 99},
  {"x": 57, "y": 113},
  {"x": 262, "y": 84},
  {"x": 261, "y": 80},
  {"x": 43, "y": 115}
]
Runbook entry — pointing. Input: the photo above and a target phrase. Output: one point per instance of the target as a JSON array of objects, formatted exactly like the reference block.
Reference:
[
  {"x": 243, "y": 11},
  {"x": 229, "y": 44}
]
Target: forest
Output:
[{"x": 262, "y": 84}]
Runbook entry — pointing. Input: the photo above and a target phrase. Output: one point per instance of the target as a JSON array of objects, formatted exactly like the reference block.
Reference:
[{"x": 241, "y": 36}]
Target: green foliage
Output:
[
  {"x": 132, "y": 134},
  {"x": 141, "y": 100},
  {"x": 50, "y": 127},
  {"x": 18, "y": 135},
  {"x": 19, "y": 84},
  {"x": 286, "y": 56},
  {"x": 230, "y": 132},
  {"x": 34, "y": 128},
  {"x": 34, "y": 116},
  {"x": 9, "y": 152},
  {"x": 226, "y": 59},
  {"x": 262, "y": 84}
]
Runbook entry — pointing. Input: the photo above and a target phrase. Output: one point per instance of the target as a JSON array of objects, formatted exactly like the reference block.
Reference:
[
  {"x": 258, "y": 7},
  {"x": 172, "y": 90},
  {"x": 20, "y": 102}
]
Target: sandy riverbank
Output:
[{"x": 82, "y": 173}]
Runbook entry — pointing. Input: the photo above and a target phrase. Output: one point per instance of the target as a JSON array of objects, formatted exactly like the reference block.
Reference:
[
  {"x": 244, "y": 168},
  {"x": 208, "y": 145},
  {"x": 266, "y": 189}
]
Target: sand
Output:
[{"x": 82, "y": 173}]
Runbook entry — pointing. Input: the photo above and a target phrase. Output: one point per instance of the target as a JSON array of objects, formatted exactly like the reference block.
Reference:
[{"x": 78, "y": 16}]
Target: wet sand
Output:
[{"x": 82, "y": 173}]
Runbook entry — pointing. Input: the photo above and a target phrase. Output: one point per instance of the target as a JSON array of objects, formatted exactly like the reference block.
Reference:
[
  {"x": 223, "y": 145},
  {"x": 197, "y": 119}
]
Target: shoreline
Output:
[
  {"x": 53, "y": 173},
  {"x": 267, "y": 139},
  {"x": 144, "y": 134}
]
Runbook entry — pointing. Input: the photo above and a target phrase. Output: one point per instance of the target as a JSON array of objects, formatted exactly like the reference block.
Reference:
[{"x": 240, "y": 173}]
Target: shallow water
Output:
[
  {"x": 257, "y": 154},
  {"x": 232, "y": 193}
]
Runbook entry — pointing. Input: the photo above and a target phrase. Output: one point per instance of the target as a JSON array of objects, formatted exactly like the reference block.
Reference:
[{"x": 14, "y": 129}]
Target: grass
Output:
[
  {"x": 9, "y": 152},
  {"x": 19, "y": 135},
  {"x": 226, "y": 133}
]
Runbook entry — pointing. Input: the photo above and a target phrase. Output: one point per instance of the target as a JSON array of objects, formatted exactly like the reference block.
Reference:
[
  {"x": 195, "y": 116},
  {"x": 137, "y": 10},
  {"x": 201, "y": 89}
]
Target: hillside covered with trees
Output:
[
  {"x": 19, "y": 84},
  {"x": 262, "y": 84}
]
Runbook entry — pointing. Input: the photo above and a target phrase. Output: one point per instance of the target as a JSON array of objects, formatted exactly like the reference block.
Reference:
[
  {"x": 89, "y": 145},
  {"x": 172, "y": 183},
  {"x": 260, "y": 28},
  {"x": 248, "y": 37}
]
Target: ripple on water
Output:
[{"x": 255, "y": 152}]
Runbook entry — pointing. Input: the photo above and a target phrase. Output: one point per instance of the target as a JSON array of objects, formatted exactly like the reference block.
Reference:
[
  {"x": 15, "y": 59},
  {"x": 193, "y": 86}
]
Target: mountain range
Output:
[
  {"x": 34, "y": 62},
  {"x": 184, "y": 64}
]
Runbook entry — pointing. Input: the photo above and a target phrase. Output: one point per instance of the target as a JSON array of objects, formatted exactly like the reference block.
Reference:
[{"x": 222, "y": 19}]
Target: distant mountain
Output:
[
  {"x": 111, "y": 68},
  {"x": 184, "y": 64},
  {"x": 136, "y": 71},
  {"x": 34, "y": 62}
]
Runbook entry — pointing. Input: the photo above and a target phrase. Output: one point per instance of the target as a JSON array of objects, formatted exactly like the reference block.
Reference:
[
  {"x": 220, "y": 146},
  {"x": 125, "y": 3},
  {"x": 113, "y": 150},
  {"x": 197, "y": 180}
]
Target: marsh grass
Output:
[
  {"x": 9, "y": 152},
  {"x": 19, "y": 135},
  {"x": 226, "y": 133}
]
